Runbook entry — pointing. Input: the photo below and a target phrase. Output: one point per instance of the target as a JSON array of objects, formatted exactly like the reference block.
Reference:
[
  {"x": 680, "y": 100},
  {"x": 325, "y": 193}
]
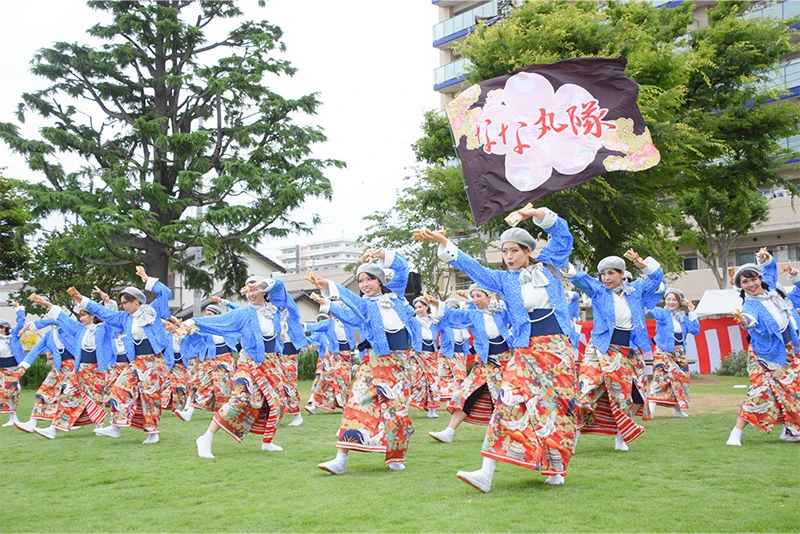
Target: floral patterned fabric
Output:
[
  {"x": 670, "y": 383},
  {"x": 135, "y": 398},
  {"x": 331, "y": 386},
  {"x": 48, "y": 394},
  {"x": 214, "y": 383},
  {"x": 452, "y": 372},
  {"x": 376, "y": 416},
  {"x": 490, "y": 375},
  {"x": 534, "y": 421},
  {"x": 291, "y": 396},
  {"x": 606, "y": 383},
  {"x": 81, "y": 401},
  {"x": 425, "y": 380},
  {"x": 774, "y": 394},
  {"x": 9, "y": 388},
  {"x": 255, "y": 402}
]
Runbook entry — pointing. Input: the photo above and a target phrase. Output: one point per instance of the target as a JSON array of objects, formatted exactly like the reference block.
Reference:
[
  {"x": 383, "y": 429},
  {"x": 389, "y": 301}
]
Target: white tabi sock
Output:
[
  {"x": 677, "y": 412},
  {"x": 396, "y": 467},
  {"x": 337, "y": 465},
  {"x": 432, "y": 413},
  {"x": 151, "y": 438},
  {"x": 445, "y": 436},
  {"x": 652, "y": 406},
  {"x": 12, "y": 417},
  {"x": 619, "y": 442},
  {"x": 735, "y": 439},
  {"x": 297, "y": 421},
  {"x": 204, "y": 445}
]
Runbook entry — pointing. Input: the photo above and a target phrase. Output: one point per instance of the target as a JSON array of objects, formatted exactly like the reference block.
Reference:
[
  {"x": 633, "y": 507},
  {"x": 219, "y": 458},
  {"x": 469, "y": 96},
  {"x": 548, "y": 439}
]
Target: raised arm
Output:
[{"x": 584, "y": 282}]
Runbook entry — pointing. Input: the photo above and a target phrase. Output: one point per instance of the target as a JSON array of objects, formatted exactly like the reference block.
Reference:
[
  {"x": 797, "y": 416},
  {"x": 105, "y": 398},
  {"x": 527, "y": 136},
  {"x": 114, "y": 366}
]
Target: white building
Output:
[{"x": 320, "y": 255}]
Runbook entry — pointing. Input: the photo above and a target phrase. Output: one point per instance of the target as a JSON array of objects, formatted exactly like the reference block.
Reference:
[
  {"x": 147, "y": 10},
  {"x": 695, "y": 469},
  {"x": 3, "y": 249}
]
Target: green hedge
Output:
[
  {"x": 307, "y": 363},
  {"x": 734, "y": 365},
  {"x": 36, "y": 374}
]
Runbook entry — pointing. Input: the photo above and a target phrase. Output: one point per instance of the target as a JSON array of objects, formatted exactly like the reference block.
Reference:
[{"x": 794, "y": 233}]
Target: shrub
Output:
[
  {"x": 734, "y": 365},
  {"x": 307, "y": 363},
  {"x": 36, "y": 373}
]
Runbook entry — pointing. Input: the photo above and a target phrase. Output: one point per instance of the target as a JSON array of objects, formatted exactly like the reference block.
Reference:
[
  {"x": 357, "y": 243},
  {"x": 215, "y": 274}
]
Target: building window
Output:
[
  {"x": 745, "y": 257},
  {"x": 690, "y": 264}
]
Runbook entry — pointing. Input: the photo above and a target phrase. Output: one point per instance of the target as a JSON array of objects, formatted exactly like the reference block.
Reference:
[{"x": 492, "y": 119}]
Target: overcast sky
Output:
[{"x": 372, "y": 63}]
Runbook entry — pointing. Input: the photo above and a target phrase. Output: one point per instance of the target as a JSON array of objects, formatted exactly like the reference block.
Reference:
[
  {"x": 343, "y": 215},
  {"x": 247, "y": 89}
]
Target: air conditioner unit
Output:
[{"x": 780, "y": 193}]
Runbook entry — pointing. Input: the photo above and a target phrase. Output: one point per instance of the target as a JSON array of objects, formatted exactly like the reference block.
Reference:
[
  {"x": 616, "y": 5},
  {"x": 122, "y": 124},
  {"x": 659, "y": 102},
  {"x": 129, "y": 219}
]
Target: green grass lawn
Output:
[{"x": 679, "y": 476}]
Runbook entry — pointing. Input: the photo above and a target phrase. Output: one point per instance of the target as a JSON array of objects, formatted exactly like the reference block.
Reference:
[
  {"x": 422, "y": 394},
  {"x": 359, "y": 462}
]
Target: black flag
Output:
[{"x": 545, "y": 128}]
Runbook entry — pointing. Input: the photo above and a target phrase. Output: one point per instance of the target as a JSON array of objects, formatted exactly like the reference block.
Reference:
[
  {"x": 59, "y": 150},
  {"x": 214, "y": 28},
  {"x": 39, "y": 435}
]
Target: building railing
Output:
[
  {"x": 782, "y": 10},
  {"x": 451, "y": 71},
  {"x": 448, "y": 29}
]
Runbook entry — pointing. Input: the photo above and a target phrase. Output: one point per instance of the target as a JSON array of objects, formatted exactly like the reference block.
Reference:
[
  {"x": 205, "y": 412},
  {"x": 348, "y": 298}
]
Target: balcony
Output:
[
  {"x": 460, "y": 25},
  {"x": 781, "y": 10},
  {"x": 449, "y": 78}
]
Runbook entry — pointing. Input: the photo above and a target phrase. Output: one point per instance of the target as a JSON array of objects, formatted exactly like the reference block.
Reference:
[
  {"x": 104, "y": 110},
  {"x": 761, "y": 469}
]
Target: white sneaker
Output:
[
  {"x": 735, "y": 439},
  {"x": 49, "y": 432},
  {"x": 204, "y": 446},
  {"x": 444, "y": 436},
  {"x": 333, "y": 467},
  {"x": 677, "y": 412},
  {"x": 396, "y": 467},
  {"x": 297, "y": 421},
  {"x": 555, "y": 480},
  {"x": 619, "y": 443},
  {"x": 109, "y": 432},
  {"x": 310, "y": 408},
  {"x": 270, "y": 447},
  {"x": 479, "y": 479},
  {"x": 151, "y": 438},
  {"x": 28, "y": 427}
]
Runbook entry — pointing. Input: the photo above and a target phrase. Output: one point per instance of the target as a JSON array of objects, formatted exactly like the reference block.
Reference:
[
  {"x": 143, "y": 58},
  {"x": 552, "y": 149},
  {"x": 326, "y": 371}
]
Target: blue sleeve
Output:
[
  {"x": 231, "y": 305},
  {"x": 692, "y": 326},
  {"x": 794, "y": 296},
  {"x": 70, "y": 326},
  {"x": 587, "y": 284},
  {"x": 161, "y": 304},
  {"x": 456, "y": 318},
  {"x": 318, "y": 327},
  {"x": 483, "y": 276},
  {"x": 227, "y": 324},
  {"x": 559, "y": 246},
  {"x": 20, "y": 322},
  {"x": 400, "y": 279},
  {"x": 43, "y": 323},
  {"x": 114, "y": 318},
  {"x": 650, "y": 284},
  {"x": 769, "y": 273},
  {"x": 659, "y": 314},
  {"x": 356, "y": 311}
]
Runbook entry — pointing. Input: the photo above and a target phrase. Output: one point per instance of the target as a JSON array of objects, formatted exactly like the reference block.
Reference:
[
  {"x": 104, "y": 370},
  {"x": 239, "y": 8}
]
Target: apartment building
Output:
[
  {"x": 780, "y": 234},
  {"x": 320, "y": 255}
]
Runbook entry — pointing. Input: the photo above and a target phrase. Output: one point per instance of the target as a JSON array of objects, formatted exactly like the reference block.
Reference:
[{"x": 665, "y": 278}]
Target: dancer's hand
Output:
[
  {"x": 763, "y": 255},
  {"x": 102, "y": 294},
  {"x": 214, "y": 299},
  {"x": 689, "y": 305},
  {"x": 789, "y": 269},
  {"x": 635, "y": 258},
  {"x": 319, "y": 299},
  {"x": 141, "y": 273},
  {"x": 373, "y": 253},
  {"x": 433, "y": 301},
  {"x": 76, "y": 296},
  {"x": 739, "y": 318},
  {"x": 429, "y": 236},
  {"x": 38, "y": 300},
  {"x": 462, "y": 293},
  {"x": 317, "y": 281}
]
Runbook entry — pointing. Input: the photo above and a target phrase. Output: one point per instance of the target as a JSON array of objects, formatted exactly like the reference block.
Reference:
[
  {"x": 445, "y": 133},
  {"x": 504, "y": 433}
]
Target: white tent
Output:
[{"x": 719, "y": 302}]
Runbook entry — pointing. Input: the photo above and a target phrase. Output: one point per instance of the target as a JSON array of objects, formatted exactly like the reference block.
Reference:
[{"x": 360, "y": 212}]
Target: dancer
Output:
[
  {"x": 612, "y": 375},
  {"x": 12, "y": 364},
  {"x": 135, "y": 397},
  {"x": 288, "y": 353},
  {"x": 65, "y": 349},
  {"x": 335, "y": 342},
  {"x": 670, "y": 384},
  {"x": 376, "y": 416},
  {"x": 215, "y": 374},
  {"x": 83, "y": 395},
  {"x": 475, "y": 399},
  {"x": 533, "y": 423},
  {"x": 425, "y": 363},
  {"x": 176, "y": 394},
  {"x": 452, "y": 358},
  {"x": 255, "y": 401},
  {"x": 774, "y": 387}
]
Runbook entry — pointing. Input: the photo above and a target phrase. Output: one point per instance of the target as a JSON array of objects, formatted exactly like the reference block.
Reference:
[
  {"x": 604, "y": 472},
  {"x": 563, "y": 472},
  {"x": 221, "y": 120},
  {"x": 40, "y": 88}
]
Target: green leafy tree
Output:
[
  {"x": 718, "y": 218},
  {"x": 14, "y": 220},
  {"x": 704, "y": 95},
  {"x": 183, "y": 143}
]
